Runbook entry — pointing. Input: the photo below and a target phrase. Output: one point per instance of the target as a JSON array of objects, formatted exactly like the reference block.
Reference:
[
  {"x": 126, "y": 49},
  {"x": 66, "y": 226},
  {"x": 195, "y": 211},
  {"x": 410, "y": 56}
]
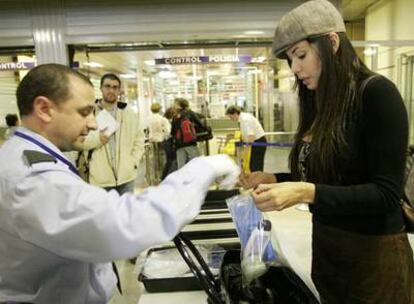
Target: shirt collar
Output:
[{"x": 41, "y": 139}]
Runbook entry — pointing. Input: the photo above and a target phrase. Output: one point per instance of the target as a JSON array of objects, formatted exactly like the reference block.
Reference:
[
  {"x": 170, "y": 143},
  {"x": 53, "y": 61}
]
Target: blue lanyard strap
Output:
[{"x": 48, "y": 150}]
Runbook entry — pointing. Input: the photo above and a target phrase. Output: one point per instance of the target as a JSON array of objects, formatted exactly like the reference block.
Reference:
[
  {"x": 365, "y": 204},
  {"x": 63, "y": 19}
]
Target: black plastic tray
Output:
[
  {"x": 189, "y": 283},
  {"x": 216, "y": 199}
]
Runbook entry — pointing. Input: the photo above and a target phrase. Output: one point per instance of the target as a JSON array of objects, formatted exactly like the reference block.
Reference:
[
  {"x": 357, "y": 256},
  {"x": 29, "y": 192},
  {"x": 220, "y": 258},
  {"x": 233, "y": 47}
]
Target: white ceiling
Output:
[
  {"x": 140, "y": 25},
  {"x": 154, "y": 24}
]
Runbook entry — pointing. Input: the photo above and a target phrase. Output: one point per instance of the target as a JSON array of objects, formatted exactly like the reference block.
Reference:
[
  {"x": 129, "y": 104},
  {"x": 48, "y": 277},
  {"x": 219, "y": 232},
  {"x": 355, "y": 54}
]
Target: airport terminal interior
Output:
[{"x": 214, "y": 54}]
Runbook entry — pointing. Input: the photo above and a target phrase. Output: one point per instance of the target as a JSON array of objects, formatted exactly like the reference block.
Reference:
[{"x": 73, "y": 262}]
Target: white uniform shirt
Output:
[
  {"x": 250, "y": 126},
  {"x": 58, "y": 233},
  {"x": 159, "y": 128}
]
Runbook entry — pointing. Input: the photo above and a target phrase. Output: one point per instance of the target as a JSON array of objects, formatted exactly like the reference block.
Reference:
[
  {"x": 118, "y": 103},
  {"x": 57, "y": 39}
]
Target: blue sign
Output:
[{"x": 5, "y": 66}]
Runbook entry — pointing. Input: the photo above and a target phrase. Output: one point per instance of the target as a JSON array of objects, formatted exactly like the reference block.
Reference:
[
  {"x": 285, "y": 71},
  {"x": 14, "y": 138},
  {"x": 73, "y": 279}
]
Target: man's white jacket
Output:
[{"x": 129, "y": 139}]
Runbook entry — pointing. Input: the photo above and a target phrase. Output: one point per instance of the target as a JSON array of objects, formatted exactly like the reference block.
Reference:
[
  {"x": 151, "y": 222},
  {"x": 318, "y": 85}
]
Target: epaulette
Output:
[{"x": 34, "y": 157}]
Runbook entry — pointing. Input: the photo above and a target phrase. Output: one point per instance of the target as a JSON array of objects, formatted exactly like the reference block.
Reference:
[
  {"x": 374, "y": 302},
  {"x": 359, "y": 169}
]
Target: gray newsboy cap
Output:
[{"x": 311, "y": 19}]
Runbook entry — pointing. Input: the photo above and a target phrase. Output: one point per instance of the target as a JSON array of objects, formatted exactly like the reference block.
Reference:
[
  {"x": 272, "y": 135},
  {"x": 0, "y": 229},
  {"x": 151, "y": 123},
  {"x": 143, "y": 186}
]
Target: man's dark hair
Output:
[
  {"x": 111, "y": 76},
  {"x": 233, "y": 110},
  {"x": 11, "y": 120},
  {"x": 183, "y": 103},
  {"x": 170, "y": 113},
  {"x": 48, "y": 80}
]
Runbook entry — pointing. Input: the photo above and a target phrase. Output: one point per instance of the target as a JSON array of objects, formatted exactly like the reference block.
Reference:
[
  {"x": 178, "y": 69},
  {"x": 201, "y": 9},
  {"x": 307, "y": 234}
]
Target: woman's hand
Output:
[
  {"x": 283, "y": 195},
  {"x": 251, "y": 180}
]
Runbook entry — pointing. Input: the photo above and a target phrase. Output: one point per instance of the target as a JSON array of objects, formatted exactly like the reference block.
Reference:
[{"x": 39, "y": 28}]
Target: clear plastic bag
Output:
[{"x": 257, "y": 250}]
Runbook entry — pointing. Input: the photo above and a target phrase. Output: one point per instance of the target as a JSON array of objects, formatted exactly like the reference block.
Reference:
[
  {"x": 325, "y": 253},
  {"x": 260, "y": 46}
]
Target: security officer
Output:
[{"x": 57, "y": 232}]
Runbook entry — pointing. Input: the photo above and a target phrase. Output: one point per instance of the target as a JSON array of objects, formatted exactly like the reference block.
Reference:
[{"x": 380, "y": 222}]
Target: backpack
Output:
[{"x": 186, "y": 132}]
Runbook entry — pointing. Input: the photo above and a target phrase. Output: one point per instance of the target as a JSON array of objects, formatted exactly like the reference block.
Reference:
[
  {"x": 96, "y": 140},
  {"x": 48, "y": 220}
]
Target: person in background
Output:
[
  {"x": 186, "y": 149},
  {"x": 57, "y": 232},
  {"x": 12, "y": 122},
  {"x": 252, "y": 133},
  {"x": 159, "y": 129},
  {"x": 347, "y": 163},
  {"x": 114, "y": 159},
  {"x": 169, "y": 147}
]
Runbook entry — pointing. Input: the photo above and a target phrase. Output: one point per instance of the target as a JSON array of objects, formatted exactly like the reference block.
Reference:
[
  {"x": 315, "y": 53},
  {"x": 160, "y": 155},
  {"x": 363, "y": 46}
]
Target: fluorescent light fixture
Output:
[
  {"x": 167, "y": 74},
  {"x": 128, "y": 76},
  {"x": 370, "y": 52},
  {"x": 93, "y": 64},
  {"x": 259, "y": 59},
  {"x": 240, "y": 36},
  {"x": 214, "y": 73},
  {"x": 193, "y": 77},
  {"x": 253, "y": 32},
  {"x": 150, "y": 62}
]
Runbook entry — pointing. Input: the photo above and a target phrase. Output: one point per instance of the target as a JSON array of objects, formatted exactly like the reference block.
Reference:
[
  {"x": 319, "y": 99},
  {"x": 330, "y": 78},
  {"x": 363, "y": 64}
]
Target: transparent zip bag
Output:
[{"x": 258, "y": 251}]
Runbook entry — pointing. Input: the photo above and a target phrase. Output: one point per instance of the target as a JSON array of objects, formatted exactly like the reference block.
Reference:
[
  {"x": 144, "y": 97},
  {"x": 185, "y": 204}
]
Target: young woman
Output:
[{"x": 347, "y": 163}]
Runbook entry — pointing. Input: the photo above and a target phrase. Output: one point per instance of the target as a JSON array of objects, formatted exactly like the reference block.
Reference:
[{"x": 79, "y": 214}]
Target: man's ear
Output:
[
  {"x": 335, "y": 41},
  {"x": 43, "y": 108}
]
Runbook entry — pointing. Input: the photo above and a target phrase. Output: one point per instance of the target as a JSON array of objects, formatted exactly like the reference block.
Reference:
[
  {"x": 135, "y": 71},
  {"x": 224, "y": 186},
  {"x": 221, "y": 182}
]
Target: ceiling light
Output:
[
  {"x": 150, "y": 62},
  {"x": 128, "y": 76},
  {"x": 93, "y": 64},
  {"x": 259, "y": 59},
  {"x": 370, "y": 51},
  {"x": 253, "y": 32},
  {"x": 167, "y": 74}
]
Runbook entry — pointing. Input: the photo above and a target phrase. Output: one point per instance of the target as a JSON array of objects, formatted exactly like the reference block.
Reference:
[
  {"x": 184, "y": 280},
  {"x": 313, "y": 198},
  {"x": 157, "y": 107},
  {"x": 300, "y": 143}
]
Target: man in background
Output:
[
  {"x": 113, "y": 159},
  {"x": 159, "y": 129},
  {"x": 253, "y": 134},
  {"x": 12, "y": 122},
  {"x": 184, "y": 125}
]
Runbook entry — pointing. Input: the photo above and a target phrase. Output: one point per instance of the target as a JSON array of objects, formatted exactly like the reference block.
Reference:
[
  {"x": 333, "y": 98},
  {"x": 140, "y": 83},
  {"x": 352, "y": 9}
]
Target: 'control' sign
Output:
[{"x": 4, "y": 66}]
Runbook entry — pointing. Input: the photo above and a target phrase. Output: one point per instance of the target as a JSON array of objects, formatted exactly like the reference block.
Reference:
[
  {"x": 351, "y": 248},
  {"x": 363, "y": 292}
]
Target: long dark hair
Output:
[{"x": 329, "y": 112}]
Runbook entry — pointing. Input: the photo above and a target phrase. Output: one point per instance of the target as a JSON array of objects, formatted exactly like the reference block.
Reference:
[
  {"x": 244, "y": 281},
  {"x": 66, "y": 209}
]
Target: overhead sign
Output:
[
  {"x": 5, "y": 66},
  {"x": 204, "y": 59},
  {"x": 13, "y": 66}
]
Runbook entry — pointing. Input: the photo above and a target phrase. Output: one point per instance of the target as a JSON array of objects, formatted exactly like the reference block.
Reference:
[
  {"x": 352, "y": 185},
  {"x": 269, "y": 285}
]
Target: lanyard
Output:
[{"x": 48, "y": 150}]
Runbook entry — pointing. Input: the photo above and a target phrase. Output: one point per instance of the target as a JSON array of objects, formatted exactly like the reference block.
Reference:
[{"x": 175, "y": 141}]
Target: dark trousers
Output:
[
  {"x": 258, "y": 155},
  {"x": 171, "y": 158}
]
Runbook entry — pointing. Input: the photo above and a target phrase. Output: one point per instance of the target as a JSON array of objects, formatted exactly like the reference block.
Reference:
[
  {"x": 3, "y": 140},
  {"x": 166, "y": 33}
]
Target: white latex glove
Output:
[{"x": 225, "y": 167}]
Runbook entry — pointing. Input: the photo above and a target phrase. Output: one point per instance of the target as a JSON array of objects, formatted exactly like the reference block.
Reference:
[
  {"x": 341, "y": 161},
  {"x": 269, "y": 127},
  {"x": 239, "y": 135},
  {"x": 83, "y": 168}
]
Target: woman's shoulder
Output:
[
  {"x": 376, "y": 83},
  {"x": 381, "y": 94}
]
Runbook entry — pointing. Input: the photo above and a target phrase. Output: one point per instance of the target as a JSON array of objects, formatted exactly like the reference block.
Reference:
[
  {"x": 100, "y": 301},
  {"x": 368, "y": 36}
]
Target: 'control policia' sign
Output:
[
  {"x": 6, "y": 66},
  {"x": 204, "y": 59}
]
